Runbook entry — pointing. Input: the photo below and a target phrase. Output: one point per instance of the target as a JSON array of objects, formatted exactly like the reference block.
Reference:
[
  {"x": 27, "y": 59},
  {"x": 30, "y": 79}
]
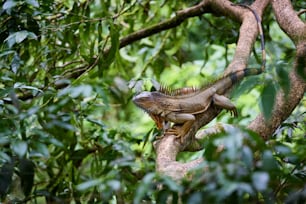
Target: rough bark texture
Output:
[{"x": 167, "y": 148}]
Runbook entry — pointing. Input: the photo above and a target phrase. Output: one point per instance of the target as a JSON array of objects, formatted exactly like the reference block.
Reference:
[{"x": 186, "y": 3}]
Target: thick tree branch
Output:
[
  {"x": 168, "y": 147},
  {"x": 248, "y": 34},
  {"x": 166, "y": 151},
  {"x": 296, "y": 30},
  {"x": 289, "y": 21}
]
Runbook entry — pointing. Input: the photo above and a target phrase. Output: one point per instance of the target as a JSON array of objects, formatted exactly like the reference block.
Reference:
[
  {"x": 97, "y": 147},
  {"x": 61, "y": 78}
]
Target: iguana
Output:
[{"x": 181, "y": 106}]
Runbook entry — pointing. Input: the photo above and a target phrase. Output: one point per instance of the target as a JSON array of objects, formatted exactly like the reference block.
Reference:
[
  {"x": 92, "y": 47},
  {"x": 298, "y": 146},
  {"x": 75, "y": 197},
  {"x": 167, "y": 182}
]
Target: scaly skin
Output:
[{"x": 181, "y": 106}]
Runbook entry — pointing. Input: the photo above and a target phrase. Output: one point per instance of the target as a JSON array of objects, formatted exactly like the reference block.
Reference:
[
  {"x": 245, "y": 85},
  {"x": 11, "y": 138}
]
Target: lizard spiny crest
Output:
[{"x": 177, "y": 92}]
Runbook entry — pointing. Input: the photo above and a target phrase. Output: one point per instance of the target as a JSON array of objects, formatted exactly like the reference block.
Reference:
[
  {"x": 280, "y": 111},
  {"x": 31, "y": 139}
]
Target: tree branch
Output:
[
  {"x": 166, "y": 159},
  {"x": 296, "y": 30},
  {"x": 180, "y": 17},
  {"x": 168, "y": 147},
  {"x": 289, "y": 21}
]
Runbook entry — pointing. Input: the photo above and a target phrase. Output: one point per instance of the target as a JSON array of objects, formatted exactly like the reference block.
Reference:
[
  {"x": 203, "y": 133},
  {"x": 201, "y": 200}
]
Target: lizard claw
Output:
[
  {"x": 234, "y": 112},
  {"x": 174, "y": 131}
]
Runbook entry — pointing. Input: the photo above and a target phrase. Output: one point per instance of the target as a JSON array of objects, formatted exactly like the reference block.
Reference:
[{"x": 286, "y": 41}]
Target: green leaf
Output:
[
  {"x": 107, "y": 59},
  {"x": 10, "y": 40},
  {"x": 268, "y": 99},
  {"x": 78, "y": 91},
  {"x": 20, "y": 36},
  {"x": 247, "y": 156},
  {"x": 18, "y": 85},
  {"x": 83, "y": 90},
  {"x": 4, "y": 140},
  {"x": 260, "y": 180},
  {"x": 15, "y": 63},
  {"x": 232, "y": 187},
  {"x": 56, "y": 142},
  {"x": 283, "y": 77},
  {"x": 5, "y": 92},
  {"x": 146, "y": 137},
  {"x": 172, "y": 185},
  {"x": 283, "y": 150},
  {"x": 195, "y": 198},
  {"x": 268, "y": 161},
  {"x": 88, "y": 184},
  {"x": 245, "y": 86},
  {"x": 124, "y": 148},
  {"x": 144, "y": 187},
  {"x": 114, "y": 184},
  {"x": 20, "y": 148},
  {"x": 33, "y": 3},
  {"x": 8, "y": 5},
  {"x": 4, "y": 157},
  {"x": 42, "y": 149},
  {"x": 7, "y": 53}
]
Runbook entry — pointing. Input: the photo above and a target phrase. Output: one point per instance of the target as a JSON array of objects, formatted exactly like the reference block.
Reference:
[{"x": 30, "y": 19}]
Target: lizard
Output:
[{"x": 182, "y": 105}]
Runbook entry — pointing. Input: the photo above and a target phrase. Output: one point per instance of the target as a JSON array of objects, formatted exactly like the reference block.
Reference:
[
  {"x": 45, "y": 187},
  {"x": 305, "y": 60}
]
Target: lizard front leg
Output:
[
  {"x": 225, "y": 103},
  {"x": 180, "y": 118}
]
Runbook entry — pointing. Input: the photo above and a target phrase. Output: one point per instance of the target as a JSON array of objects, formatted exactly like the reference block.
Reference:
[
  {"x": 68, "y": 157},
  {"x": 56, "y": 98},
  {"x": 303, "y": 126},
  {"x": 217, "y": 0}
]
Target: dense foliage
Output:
[{"x": 69, "y": 133}]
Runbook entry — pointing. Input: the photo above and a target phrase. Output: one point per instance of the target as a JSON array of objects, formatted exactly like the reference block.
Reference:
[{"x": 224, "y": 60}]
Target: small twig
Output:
[
  {"x": 68, "y": 63},
  {"x": 299, "y": 13},
  {"x": 122, "y": 11},
  {"x": 70, "y": 72}
]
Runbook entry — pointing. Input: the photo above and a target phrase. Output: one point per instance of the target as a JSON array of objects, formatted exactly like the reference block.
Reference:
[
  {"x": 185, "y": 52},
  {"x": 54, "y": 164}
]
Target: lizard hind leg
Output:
[{"x": 223, "y": 102}]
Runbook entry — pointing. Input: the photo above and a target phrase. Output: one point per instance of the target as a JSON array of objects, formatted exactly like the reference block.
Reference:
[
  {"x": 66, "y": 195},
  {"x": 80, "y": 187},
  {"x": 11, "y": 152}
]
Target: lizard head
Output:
[{"x": 148, "y": 102}]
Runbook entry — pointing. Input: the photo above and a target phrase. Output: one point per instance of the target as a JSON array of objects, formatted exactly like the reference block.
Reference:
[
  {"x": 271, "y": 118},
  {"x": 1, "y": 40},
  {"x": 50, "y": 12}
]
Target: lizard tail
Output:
[{"x": 262, "y": 42}]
